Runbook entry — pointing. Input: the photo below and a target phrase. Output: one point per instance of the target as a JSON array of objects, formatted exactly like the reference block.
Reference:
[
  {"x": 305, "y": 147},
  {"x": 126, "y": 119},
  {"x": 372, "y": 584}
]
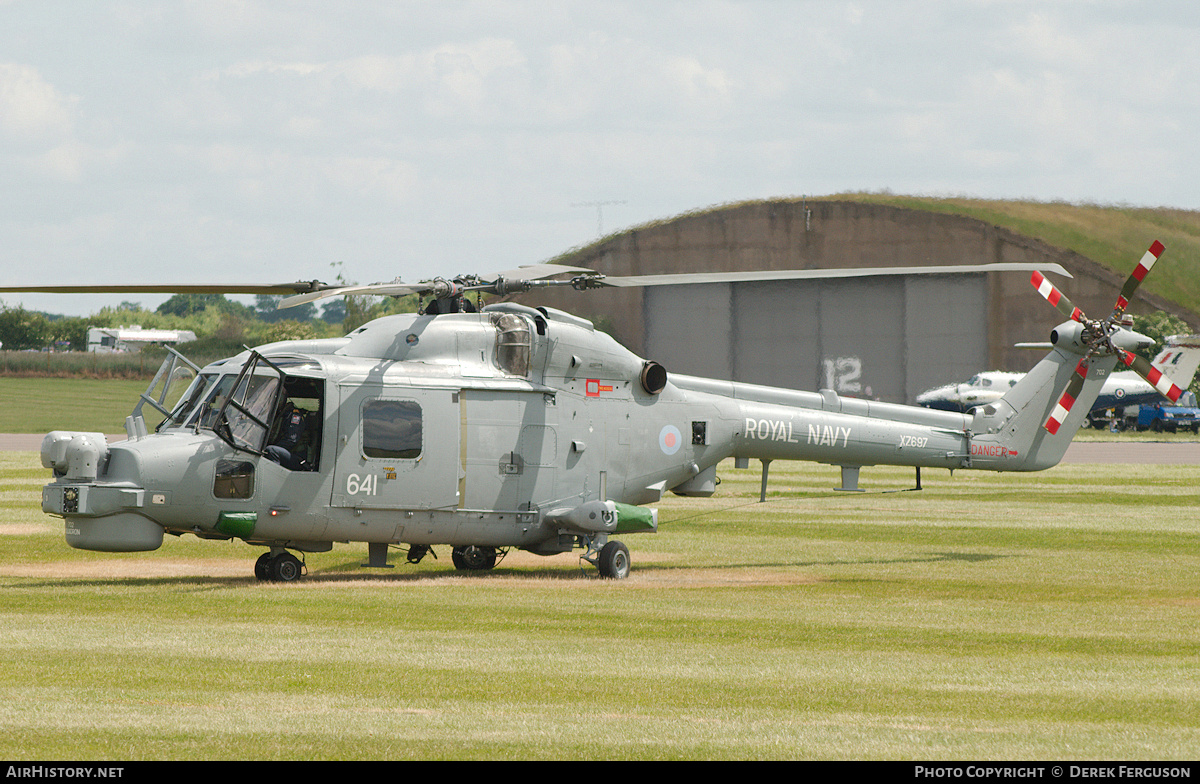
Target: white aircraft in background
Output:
[{"x": 1179, "y": 359}]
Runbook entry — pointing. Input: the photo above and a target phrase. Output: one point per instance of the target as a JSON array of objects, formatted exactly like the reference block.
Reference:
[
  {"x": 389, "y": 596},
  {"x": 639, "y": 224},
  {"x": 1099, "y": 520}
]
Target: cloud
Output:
[
  {"x": 251, "y": 138},
  {"x": 37, "y": 125},
  {"x": 30, "y": 107}
]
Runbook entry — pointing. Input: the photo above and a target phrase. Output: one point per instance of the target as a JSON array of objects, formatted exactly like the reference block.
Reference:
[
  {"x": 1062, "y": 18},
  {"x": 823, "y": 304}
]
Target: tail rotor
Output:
[{"x": 1107, "y": 337}]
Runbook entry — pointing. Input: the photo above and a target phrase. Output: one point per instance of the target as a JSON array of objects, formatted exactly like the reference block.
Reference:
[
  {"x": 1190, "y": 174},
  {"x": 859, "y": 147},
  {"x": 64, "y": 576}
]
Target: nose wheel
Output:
[{"x": 278, "y": 567}]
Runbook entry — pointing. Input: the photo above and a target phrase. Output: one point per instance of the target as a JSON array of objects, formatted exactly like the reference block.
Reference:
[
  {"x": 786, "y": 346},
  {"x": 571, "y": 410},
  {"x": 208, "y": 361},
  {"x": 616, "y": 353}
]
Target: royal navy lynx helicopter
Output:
[{"x": 486, "y": 428}]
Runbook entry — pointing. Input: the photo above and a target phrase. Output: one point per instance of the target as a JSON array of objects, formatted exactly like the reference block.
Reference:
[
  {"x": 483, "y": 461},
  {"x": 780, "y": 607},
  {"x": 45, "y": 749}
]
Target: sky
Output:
[{"x": 252, "y": 141}]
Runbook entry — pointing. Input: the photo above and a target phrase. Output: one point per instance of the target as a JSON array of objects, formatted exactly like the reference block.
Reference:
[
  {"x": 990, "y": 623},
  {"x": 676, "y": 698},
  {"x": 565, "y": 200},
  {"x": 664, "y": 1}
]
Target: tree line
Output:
[
  {"x": 216, "y": 320},
  {"x": 223, "y": 326}
]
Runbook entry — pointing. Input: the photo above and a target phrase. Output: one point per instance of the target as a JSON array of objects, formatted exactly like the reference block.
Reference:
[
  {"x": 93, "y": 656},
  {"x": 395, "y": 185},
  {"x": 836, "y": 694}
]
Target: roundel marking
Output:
[{"x": 670, "y": 439}]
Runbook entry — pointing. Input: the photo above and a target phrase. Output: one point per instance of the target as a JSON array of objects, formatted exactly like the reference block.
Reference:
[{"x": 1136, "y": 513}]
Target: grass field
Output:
[
  {"x": 39, "y": 405},
  {"x": 1046, "y": 616}
]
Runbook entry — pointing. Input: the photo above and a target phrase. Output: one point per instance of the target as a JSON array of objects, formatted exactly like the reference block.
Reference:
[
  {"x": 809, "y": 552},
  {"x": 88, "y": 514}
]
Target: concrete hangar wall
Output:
[{"x": 887, "y": 337}]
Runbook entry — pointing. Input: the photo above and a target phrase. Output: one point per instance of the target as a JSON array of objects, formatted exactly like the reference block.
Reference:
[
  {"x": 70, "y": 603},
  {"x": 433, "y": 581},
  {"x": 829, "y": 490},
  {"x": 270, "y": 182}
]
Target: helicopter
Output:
[{"x": 492, "y": 427}]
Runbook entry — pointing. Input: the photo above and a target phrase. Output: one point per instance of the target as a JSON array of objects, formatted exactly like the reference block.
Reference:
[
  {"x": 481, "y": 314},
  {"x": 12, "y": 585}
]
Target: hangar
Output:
[{"x": 888, "y": 337}]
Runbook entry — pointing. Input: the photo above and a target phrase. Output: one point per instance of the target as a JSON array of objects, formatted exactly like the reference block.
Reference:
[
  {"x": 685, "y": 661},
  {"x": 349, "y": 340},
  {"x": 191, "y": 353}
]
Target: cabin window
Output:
[
  {"x": 392, "y": 429},
  {"x": 513, "y": 343}
]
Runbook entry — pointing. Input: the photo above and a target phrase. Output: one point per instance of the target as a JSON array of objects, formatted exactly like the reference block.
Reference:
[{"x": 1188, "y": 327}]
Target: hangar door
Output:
[{"x": 887, "y": 337}]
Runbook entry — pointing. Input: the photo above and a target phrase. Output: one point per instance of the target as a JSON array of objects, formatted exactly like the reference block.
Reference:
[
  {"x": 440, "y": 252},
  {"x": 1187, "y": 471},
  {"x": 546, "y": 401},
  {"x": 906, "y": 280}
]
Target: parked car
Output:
[{"x": 1171, "y": 418}]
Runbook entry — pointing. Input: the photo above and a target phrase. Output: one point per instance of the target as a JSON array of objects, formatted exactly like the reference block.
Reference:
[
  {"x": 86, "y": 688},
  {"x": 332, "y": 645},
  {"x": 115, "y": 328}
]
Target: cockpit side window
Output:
[
  {"x": 239, "y": 408},
  {"x": 206, "y": 417},
  {"x": 188, "y": 402},
  {"x": 247, "y": 422}
]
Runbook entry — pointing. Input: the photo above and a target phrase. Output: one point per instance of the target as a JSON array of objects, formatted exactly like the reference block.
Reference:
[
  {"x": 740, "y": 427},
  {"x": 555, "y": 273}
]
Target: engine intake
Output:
[{"x": 654, "y": 377}]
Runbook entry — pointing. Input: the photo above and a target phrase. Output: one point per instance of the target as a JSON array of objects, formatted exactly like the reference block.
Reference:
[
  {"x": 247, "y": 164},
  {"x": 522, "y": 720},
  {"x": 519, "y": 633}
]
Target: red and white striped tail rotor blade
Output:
[
  {"x": 1166, "y": 387},
  {"x": 1135, "y": 279},
  {"x": 1055, "y": 297},
  {"x": 1065, "y": 403}
]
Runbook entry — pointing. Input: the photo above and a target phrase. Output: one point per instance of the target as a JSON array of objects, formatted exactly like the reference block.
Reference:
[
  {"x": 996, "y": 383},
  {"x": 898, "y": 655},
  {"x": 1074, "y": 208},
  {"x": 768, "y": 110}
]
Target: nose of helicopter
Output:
[{"x": 98, "y": 515}]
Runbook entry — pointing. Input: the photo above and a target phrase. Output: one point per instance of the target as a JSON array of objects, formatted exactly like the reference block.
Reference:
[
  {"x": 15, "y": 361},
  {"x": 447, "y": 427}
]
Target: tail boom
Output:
[{"x": 1011, "y": 434}]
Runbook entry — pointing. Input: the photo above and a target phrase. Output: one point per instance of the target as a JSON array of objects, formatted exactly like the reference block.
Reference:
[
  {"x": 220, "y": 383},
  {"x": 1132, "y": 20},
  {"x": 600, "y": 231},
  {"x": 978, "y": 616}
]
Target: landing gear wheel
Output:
[
  {"x": 473, "y": 558},
  {"x": 286, "y": 568},
  {"x": 262, "y": 567},
  {"x": 613, "y": 562}
]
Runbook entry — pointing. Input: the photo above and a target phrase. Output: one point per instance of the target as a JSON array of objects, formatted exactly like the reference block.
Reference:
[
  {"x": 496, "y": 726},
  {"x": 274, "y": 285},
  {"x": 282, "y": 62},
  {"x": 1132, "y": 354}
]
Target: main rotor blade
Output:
[
  {"x": 1063, "y": 407},
  {"x": 683, "y": 278},
  {"x": 1135, "y": 279},
  {"x": 1056, "y": 297},
  {"x": 398, "y": 289},
  {"x": 1168, "y": 388},
  {"x": 536, "y": 271},
  {"x": 188, "y": 288},
  {"x": 381, "y": 289}
]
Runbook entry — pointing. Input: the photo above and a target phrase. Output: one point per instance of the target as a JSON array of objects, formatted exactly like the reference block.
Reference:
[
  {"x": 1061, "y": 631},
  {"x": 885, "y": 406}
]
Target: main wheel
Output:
[
  {"x": 286, "y": 568},
  {"x": 262, "y": 567},
  {"x": 473, "y": 558},
  {"x": 614, "y": 561}
]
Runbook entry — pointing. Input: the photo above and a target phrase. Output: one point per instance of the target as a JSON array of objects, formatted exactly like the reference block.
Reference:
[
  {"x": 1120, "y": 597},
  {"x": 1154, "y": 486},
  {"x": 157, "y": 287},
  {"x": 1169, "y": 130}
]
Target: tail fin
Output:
[
  {"x": 1179, "y": 359},
  {"x": 1011, "y": 434},
  {"x": 1031, "y": 427}
]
